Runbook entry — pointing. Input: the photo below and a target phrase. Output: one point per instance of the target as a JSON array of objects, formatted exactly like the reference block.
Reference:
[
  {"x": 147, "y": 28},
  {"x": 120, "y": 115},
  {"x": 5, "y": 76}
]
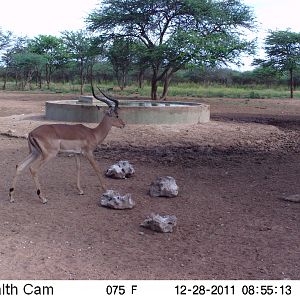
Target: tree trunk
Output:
[
  {"x": 124, "y": 79},
  {"x": 119, "y": 79},
  {"x": 141, "y": 78},
  {"x": 154, "y": 89},
  {"x": 167, "y": 81},
  {"x": 292, "y": 83},
  {"x": 40, "y": 80},
  {"x": 91, "y": 73},
  {"x": 48, "y": 76},
  {"x": 81, "y": 77},
  {"x": 16, "y": 80},
  {"x": 28, "y": 79},
  {"x": 154, "y": 84},
  {"x": 5, "y": 80}
]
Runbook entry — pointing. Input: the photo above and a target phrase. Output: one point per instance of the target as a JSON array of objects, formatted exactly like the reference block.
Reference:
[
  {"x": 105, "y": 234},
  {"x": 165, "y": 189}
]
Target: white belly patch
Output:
[{"x": 70, "y": 146}]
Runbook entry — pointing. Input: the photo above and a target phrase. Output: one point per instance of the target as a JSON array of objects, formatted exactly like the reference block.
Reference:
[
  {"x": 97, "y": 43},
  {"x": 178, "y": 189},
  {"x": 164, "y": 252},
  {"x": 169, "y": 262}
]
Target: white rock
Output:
[
  {"x": 164, "y": 187},
  {"x": 9, "y": 132},
  {"x": 113, "y": 199},
  {"x": 121, "y": 170},
  {"x": 116, "y": 172},
  {"x": 126, "y": 167},
  {"x": 159, "y": 223},
  {"x": 292, "y": 198}
]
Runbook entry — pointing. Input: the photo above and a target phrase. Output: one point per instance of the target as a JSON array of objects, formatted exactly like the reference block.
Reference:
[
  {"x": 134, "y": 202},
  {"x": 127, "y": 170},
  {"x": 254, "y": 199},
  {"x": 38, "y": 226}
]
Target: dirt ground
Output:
[{"x": 231, "y": 173}]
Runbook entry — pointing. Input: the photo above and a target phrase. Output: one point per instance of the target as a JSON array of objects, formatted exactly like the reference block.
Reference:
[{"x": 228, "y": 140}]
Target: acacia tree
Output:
[
  {"x": 5, "y": 39},
  {"x": 18, "y": 46},
  {"x": 121, "y": 55},
  {"x": 80, "y": 47},
  {"x": 176, "y": 32},
  {"x": 52, "y": 49},
  {"x": 5, "y": 42},
  {"x": 283, "y": 54},
  {"x": 26, "y": 65}
]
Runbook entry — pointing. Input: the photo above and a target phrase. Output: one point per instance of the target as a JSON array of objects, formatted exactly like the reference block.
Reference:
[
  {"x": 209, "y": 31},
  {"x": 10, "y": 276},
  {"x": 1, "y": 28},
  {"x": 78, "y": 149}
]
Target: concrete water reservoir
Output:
[{"x": 131, "y": 111}]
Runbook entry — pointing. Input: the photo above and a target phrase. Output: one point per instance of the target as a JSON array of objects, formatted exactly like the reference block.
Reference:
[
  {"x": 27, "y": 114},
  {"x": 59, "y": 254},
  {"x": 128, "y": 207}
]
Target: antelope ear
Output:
[{"x": 110, "y": 111}]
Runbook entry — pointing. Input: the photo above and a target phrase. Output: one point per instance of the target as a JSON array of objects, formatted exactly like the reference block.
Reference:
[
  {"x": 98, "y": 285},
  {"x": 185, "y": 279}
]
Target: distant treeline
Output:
[
  {"x": 78, "y": 57},
  {"x": 158, "y": 43},
  {"x": 104, "y": 73}
]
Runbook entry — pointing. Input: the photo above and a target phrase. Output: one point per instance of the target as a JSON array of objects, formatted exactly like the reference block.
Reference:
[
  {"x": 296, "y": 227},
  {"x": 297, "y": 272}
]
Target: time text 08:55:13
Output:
[{"x": 234, "y": 290}]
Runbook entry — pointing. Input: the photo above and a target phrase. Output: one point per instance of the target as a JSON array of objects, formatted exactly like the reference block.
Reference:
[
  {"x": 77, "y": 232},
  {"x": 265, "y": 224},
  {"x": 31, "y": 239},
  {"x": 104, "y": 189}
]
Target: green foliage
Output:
[
  {"x": 175, "y": 33},
  {"x": 5, "y": 39},
  {"x": 198, "y": 91},
  {"x": 151, "y": 42},
  {"x": 80, "y": 47},
  {"x": 283, "y": 53},
  {"x": 283, "y": 50},
  {"x": 78, "y": 44},
  {"x": 29, "y": 60},
  {"x": 121, "y": 54},
  {"x": 221, "y": 91},
  {"x": 27, "y": 64},
  {"x": 52, "y": 49},
  {"x": 47, "y": 45}
]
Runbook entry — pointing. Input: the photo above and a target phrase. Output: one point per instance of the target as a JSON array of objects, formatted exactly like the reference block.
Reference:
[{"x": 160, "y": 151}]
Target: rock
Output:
[
  {"x": 159, "y": 223},
  {"x": 113, "y": 199},
  {"x": 10, "y": 132},
  {"x": 292, "y": 198},
  {"x": 121, "y": 170},
  {"x": 164, "y": 187},
  {"x": 115, "y": 171}
]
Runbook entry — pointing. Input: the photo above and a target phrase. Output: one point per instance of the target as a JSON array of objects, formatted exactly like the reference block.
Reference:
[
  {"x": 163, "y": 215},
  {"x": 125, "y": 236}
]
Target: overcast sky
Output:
[{"x": 33, "y": 17}]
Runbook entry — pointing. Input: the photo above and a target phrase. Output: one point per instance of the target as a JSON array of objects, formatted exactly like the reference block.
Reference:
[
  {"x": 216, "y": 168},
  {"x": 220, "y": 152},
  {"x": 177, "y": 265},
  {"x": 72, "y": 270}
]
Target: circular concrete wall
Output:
[{"x": 132, "y": 112}]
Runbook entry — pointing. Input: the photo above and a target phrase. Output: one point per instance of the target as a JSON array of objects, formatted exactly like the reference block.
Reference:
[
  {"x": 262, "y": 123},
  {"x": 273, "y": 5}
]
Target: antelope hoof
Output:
[
  {"x": 11, "y": 197},
  {"x": 80, "y": 192},
  {"x": 44, "y": 200}
]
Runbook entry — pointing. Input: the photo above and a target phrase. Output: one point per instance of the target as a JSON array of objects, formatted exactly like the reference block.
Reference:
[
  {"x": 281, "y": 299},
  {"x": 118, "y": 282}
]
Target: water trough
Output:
[{"x": 131, "y": 111}]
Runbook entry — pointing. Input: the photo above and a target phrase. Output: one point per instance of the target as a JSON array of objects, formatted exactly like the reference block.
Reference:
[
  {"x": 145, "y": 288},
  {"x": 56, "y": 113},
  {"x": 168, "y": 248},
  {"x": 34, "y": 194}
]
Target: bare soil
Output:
[{"x": 231, "y": 172}]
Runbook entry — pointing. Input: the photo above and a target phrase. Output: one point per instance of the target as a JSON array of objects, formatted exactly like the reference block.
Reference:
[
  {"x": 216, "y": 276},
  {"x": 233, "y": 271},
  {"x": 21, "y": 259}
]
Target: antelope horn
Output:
[
  {"x": 111, "y": 99},
  {"x": 101, "y": 99}
]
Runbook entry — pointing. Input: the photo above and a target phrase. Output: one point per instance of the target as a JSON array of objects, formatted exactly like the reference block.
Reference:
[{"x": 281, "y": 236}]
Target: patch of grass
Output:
[
  {"x": 213, "y": 91},
  {"x": 180, "y": 90},
  {"x": 208, "y": 91}
]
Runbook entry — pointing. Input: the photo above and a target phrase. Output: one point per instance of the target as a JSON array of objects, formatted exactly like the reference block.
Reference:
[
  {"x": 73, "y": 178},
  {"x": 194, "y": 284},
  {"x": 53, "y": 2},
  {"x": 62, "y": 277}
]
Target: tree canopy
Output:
[
  {"x": 80, "y": 47},
  {"x": 51, "y": 48},
  {"x": 175, "y": 33},
  {"x": 282, "y": 53},
  {"x": 5, "y": 38},
  {"x": 120, "y": 55}
]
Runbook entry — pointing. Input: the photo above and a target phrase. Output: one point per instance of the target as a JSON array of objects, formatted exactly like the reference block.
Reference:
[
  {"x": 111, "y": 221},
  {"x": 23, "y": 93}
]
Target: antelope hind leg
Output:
[
  {"x": 34, "y": 168},
  {"x": 19, "y": 168}
]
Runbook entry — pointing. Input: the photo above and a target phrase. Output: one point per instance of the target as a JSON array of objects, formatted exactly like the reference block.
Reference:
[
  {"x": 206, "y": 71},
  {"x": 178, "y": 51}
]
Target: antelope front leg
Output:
[
  {"x": 92, "y": 161},
  {"x": 80, "y": 191}
]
